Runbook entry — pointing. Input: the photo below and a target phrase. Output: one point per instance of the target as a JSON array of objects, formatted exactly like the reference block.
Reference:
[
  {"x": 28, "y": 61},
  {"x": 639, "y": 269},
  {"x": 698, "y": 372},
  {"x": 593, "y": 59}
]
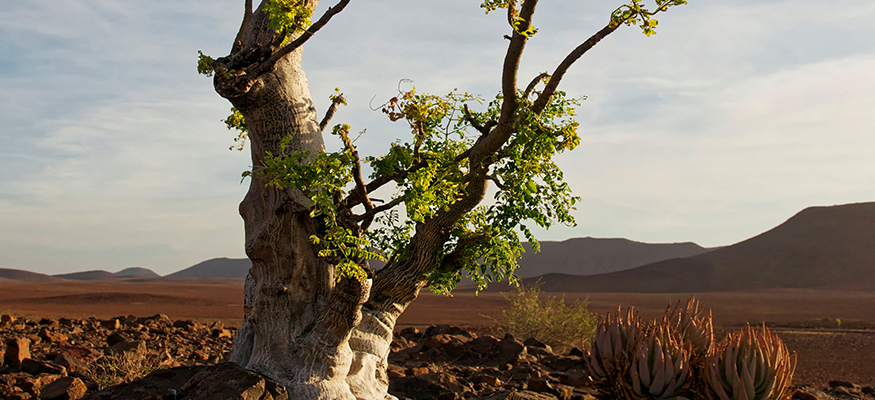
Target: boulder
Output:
[
  {"x": 34, "y": 367},
  {"x": 161, "y": 384},
  {"x": 520, "y": 395},
  {"x": 65, "y": 388},
  {"x": 231, "y": 381},
  {"x": 17, "y": 350}
]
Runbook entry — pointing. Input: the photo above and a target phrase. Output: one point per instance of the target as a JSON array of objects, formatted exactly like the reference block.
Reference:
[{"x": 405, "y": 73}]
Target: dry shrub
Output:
[
  {"x": 548, "y": 319},
  {"x": 123, "y": 367}
]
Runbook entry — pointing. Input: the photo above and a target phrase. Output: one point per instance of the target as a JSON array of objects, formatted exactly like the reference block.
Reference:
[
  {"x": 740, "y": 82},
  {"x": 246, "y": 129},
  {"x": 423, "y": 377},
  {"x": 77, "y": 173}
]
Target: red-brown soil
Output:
[{"x": 807, "y": 320}]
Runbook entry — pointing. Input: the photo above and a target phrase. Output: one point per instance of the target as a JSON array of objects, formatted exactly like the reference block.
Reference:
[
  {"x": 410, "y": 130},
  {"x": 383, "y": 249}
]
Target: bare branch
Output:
[
  {"x": 512, "y": 62},
  {"x": 356, "y": 170},
  {"x": 241, "y": 34},
  {"x": 269, "y": 64},
  {"x": 470, "y": 118},
  {"x": 332, "y": 109},
  {"x": 548, "y": 91},
  {"x": 534, "y": 83},
  {"x": 369, "y": 215},
  {"x": 496, "y": 181}
]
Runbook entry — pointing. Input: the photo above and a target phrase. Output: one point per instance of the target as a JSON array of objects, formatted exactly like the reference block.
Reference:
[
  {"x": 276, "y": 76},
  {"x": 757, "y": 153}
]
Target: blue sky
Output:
[{"x": 735, "y": 116}]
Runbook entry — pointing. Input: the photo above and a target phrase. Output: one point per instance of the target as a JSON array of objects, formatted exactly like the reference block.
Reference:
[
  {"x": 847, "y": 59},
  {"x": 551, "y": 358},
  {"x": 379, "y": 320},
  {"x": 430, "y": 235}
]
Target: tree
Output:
[{"x": 317, "y": 318}]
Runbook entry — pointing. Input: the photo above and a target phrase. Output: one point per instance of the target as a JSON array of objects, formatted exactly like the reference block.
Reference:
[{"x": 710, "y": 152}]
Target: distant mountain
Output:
[
  {"x": 20, "y": 275},
  {"x": 234, "y": 268},
  {"x": 137, "y": 272},
  {"x": 101, "y": 275},
  {"x": 591, "y": 256},
  {"x": 97, "y": 275},
  {"x": 820, "y": 247}
]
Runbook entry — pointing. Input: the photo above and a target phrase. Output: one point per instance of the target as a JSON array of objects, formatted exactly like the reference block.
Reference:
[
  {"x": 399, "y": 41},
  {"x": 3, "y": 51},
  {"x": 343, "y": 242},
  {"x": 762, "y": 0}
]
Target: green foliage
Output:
[
  {"x": 548, "y": 319},
  {"x": 288, "y": 16},
  {"x": 236, "y": 121},
  {"x": 204, "y": 64},
  {"x": 322, "y": 179},
  {"x": 635, "y": 14}
]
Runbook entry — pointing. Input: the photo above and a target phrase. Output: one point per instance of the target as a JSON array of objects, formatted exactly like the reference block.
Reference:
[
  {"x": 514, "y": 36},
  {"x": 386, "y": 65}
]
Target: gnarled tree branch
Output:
[
  {"x": 241, "y": 34},
  {"x": 332, "y": 109},
  {"x": 560, "y": 71}
]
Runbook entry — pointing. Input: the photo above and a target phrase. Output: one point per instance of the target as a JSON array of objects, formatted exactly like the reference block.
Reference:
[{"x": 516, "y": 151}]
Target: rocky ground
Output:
[{"x": 75, "y": 359}]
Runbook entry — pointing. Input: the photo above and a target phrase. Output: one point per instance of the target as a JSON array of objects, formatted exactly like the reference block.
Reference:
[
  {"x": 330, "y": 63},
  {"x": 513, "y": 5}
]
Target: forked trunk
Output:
[{"x": 301, "y": 326}]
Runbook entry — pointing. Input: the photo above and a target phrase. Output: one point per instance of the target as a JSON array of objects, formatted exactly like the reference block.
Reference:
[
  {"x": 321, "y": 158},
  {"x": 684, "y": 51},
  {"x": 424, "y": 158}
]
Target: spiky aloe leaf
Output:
[
  {"x": 661, "y": 365},
  {"x": 749, "y": 364}
]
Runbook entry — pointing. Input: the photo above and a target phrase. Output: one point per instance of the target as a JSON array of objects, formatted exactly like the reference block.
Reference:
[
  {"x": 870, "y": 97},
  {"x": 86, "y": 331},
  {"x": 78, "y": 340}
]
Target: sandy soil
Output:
[{"x": 833, "y": 333}]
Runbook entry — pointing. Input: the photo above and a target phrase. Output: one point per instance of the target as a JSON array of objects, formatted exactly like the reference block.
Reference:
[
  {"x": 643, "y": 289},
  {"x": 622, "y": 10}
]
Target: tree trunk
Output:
[{"x": 301, "y": 326}]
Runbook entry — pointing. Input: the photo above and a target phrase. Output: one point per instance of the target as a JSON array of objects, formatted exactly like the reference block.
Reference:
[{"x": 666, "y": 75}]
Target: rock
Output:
[
  {"x": 17, "y": 349},
  {"x": 81, "y": 353},
  {"x": 838, "y": 384},
  {"x": 231, "y": 381},
  {"x": 482, "y": 344},
  {"x": 6, "y": 319},
  {"x": 71, "y": 364},
  {"x": 52, "y": 337},
  {"x": 221, "y": 333},
  {"x": 111, "y": 324},
  {"x": 576, "y": 379},
  {"x": 128, "y": 346},
  {"x": 800, "y": 395},
  {"x": 114, "y": 338},
  {"x": 65, "y": 388},
  {"x": 508, "y": 350},
  {"x": 575, "y": 352},
  {"x": 429, "y": 386},
  {"x": 161, "y": 384},
  {"x": 535, "y": 343},
  {"x": 2, "y": 353},
  {"x": 41, "y": 367}
]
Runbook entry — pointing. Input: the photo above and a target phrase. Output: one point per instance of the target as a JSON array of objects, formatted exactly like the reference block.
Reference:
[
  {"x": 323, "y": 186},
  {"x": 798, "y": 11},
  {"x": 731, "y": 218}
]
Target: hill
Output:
[
  {"x": 234, "y": 268},
  {"x": 591, "y": 256},
  {"x": 818, "y": 248},
  {"x": 96, "y": 275},
  {"x": 20, "y": 275},
  {"x": 137, "y": 272}
]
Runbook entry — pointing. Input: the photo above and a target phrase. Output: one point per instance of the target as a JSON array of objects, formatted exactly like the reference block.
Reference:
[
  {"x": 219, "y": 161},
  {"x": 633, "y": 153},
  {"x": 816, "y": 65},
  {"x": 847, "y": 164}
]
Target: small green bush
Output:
[{"x": 548, "y": 319}]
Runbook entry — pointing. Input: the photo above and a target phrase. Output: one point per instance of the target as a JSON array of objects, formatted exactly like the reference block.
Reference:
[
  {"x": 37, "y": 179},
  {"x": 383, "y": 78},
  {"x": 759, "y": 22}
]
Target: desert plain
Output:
[{"x": 832, "y": 332}]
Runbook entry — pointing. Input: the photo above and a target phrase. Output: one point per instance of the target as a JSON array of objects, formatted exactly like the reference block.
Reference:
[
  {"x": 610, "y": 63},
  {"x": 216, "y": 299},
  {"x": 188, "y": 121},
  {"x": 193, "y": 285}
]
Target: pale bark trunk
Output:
[
  {"x": 320, "y": 337},
  {"x": 298, "y": 320}
]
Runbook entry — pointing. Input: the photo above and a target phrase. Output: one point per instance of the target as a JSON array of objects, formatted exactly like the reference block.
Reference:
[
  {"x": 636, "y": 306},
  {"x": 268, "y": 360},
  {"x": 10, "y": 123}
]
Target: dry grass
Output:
[{"x": 123, "y": 367}]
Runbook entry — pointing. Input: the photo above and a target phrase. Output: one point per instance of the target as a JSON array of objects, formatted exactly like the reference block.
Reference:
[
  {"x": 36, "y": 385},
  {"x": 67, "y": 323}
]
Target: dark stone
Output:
[
  {"x": 111, "y": 324},
  {"x": 71, "y": 364},
  {"x": 800, "y": 395},
  {"x": 838, "y": 384},
  {"x": 66, "y": 388},
  {"x": 482, "y": 344},
  {"x": 575, "y": 352},
  {"x": 40, "y": 367},
  {"x": 128, "y": 346},
  {"x": 508, "y": 350},
  {"x": 410, "y": 332},
  {"x": 159, "y": 385},
  {"x": 114, "y": 338},
  {"x": 231, "y": 381}
]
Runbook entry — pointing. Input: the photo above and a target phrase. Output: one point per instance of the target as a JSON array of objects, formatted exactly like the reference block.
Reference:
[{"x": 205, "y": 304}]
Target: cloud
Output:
[{"x": 734, "y": 116}]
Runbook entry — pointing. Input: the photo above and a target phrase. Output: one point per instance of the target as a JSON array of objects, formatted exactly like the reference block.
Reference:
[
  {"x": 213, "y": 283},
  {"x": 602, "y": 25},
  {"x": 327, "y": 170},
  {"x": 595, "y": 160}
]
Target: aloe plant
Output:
[
  {"x": 661, "y": 365},
  {"x": 613, "y": 345},
  {"x": 749, "y": 364},
  {"x": 694, "y": 325}
]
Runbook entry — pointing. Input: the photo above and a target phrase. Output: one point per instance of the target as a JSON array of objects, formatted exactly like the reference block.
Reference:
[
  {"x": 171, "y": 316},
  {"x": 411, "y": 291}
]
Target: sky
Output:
[{"x": 736, "y": 115}]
